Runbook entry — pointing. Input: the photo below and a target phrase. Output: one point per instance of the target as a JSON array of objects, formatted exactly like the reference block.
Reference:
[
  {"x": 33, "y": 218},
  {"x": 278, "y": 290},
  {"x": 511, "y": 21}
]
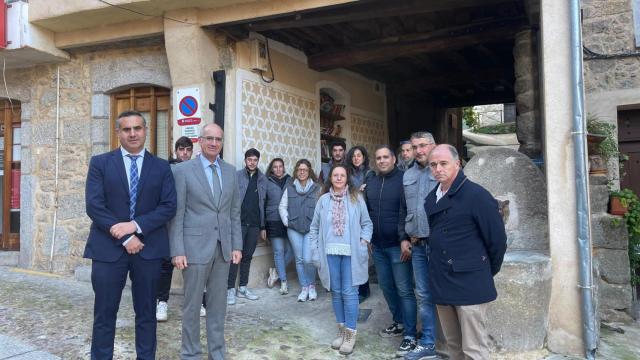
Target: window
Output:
[
  {"x": 635, "y": 6},
  {"x": 154, "y": 104}
]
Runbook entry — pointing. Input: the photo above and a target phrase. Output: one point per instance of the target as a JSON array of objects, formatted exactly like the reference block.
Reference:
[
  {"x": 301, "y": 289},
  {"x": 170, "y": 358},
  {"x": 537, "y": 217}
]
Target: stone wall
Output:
[
  {"x": 83, "y": 131},
  {"x": 610, "y": 256},
  {"x": 608, "y": 29}
]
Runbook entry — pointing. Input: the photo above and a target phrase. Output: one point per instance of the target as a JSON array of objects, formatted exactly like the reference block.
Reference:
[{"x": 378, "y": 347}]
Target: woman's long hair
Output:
[
  {"x": 353, "y": 192},
  {"x": 365, "y": 159},
  {"x": 270, "y": 167}
]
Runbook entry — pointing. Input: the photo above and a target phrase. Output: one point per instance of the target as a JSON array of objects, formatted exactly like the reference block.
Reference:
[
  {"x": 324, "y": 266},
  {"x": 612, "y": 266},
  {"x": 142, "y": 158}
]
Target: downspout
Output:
[
  {"x": 55, "y": 186},
  {"x": 589, "y": 333}
]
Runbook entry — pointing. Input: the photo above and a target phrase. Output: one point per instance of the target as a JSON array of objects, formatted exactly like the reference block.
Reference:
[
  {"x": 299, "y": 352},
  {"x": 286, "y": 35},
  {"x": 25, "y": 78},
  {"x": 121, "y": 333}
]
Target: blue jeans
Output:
[
  {"x": 302, "y": 252},
  {"x": 344, "y": 296},
  {"x": 282, "y": 255},
  {"x": 395, "y": 278},
  {"x": 426, "y": 309}
]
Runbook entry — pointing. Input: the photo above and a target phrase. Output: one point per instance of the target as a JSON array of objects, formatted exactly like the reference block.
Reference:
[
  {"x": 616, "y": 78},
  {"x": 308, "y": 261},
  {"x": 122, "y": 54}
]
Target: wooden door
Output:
[
  {"x": 629, "y": 144},
  {"x": 10, "y": 133}
]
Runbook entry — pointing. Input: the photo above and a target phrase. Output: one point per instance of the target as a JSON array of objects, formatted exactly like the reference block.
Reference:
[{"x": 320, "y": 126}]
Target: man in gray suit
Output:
[{"x": 205, "y": 236}]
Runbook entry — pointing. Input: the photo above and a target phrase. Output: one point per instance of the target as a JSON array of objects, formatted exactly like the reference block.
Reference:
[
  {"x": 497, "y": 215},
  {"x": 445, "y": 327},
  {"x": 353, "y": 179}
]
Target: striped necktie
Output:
[{"x": 133, "y": 185}]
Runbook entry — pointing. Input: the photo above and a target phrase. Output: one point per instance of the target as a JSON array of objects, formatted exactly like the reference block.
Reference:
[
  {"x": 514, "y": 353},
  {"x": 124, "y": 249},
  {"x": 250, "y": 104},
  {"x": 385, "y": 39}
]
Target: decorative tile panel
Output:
[
  {"x": 279, "y": 123},
  {"x": 368, "y": 131}
]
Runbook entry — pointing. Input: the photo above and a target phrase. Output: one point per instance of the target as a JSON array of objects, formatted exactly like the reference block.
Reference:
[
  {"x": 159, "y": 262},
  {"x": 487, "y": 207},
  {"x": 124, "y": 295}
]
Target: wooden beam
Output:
[
  {"x": 380, "y": 52},
  {"x": 473, "y": 100},
  {"x": 456, "y": 80},
  {"x": 367, "y": 10}
]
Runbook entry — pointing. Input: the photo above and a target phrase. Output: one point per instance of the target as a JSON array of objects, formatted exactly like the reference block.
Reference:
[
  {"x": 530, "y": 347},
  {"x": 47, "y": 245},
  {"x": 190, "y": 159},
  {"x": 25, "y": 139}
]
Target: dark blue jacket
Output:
[
  {"x": 107, "y": 202},
  {"x": 384, "y": 195},
  {"x": 467, "y": 244}
]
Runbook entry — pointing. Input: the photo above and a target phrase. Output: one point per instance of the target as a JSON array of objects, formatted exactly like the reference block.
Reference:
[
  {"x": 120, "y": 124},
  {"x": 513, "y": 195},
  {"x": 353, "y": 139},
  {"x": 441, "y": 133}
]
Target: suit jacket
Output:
[
  {"x": 200, "y": 221},
  {"x": 107, "y": 203},
  {"x": 467, "y": 244}
]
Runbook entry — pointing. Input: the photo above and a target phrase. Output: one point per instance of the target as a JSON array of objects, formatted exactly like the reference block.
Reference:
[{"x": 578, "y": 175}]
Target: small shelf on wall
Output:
[{"x": 329, "y": 116}]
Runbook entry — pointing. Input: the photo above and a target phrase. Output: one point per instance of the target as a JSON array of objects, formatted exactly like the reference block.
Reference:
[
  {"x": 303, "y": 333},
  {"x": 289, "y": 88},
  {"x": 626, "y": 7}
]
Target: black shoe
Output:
[
  {"x": 394, "y": 329},
  {"x": 406, "y": 346}
]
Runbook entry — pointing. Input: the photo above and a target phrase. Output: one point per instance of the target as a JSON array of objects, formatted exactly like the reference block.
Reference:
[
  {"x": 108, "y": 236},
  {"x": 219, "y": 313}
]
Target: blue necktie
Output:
[{"x": 133, "y": 185}]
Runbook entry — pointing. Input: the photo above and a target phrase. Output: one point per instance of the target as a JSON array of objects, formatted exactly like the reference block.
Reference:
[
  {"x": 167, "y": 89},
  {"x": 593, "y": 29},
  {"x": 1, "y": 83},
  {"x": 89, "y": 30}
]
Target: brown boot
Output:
[
  {"x": 349, "y": 342},
  {"x": 337, "y": 342}
]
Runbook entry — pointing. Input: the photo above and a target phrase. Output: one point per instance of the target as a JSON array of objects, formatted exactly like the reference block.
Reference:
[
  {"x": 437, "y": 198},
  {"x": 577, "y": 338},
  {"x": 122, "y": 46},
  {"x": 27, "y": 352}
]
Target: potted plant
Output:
[
  {"x": 620, "y": 200},
  {"x": 601, "y": 142}
]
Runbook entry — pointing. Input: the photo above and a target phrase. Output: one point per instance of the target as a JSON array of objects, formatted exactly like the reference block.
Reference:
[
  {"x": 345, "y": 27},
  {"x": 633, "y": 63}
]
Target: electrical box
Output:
[
  {"x": 259, "y": 55},
  {"x": 18, "y": 30}
]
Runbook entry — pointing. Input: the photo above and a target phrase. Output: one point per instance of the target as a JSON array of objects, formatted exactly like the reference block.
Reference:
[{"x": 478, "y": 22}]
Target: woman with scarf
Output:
[
  {"x": 340, "y": 234},
  {"x": 296, "y": 212},
  {"x": 277, "y": 179}
]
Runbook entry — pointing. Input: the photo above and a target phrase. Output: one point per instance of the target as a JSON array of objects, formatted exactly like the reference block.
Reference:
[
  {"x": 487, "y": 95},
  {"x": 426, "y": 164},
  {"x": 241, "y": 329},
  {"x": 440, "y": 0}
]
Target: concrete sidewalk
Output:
[
  {"x": 50, "y": 317},
  {"x": 11, "y": 348}
]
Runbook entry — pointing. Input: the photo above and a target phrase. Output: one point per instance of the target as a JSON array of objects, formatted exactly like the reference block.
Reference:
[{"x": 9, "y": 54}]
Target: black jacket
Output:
[
  {"x": 384, "y": 196},
  {"x": 467, "y": 244}
]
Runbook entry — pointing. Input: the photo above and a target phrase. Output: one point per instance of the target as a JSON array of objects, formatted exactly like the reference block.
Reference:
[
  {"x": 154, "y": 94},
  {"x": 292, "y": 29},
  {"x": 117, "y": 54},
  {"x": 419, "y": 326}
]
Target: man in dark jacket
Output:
[
  {"x": 467, "y": 244},
  {"x": 252, "y": 188},
  {"x": 391, "y": 248}
]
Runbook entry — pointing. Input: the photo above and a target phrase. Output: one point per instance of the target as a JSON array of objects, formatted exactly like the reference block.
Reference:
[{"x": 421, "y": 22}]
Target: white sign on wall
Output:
[{"x": 188, "y": 112}]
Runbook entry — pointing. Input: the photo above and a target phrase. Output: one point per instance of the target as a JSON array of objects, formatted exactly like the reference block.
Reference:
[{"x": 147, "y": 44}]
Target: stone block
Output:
[
  {"x": 598, "y": 180},
  {"x": 510, "y": 175},
  {"x": 609, "y": 231},
  {"x": 71, "y": 206},
  {"x": 82, "y": 273},
  {"x": 519, "y": 317},
  {"x": 9, "y": 258},
  {"x": 599, "y": 198},
  {"x": 76, "y": 132},
  {"x": 100, "y": 130},
  {"x": 100, "y": 106},
  {"x": 615, "y": 316},
  {"x": 129, "y": 68},
  {"x": 611, "y": 296},
  {"x": 613, "y": 266}
]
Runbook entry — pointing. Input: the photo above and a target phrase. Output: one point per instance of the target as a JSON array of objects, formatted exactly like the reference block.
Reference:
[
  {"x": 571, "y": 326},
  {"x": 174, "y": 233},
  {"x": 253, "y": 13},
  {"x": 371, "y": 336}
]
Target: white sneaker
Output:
[
  {"x": 203, "y": 311},
  {"x": 303, "y": 294},
  {"x": 273, "y": 277},
  {"x": 284, "y": 288},
  {"x": 161, "y": 311},
  {"x": 312, "y": 293},
  {"x": 231, "y": 296},
  {"x": 244, "y": 292}
]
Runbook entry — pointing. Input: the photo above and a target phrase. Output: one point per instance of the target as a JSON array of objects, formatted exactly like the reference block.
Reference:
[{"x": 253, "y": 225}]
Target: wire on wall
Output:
[
  {"x": 143, "y": 14},
  {"x": 592, "y": 55},
  {"x": 273, "y": 75},
  {"x": 6, "y": 89}
]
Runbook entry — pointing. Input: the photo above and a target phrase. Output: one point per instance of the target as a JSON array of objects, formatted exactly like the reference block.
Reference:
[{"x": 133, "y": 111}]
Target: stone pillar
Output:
[
  {"x": 528, "y": 122},
  {"x": 565, "y": 325}
]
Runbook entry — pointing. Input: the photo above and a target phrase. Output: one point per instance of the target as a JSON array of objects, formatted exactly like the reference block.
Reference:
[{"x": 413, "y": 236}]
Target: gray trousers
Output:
[{"x": 213, "y": 276}]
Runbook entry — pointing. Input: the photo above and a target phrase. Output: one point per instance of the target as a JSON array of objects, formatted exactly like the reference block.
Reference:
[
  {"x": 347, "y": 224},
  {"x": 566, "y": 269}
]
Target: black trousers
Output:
[
  {"x": 164, "y": 282},
  {"x": 250, "y": 235}
]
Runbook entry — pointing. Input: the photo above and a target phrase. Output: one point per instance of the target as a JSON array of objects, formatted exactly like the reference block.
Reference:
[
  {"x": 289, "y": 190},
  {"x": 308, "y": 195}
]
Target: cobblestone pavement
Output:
[{"x": 53, "y": 314}]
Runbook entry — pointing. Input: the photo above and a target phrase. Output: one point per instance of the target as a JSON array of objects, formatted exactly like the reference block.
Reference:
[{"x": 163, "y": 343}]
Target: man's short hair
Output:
[
  {"x": 183, "y": 142},
  {"x": 405, "y": 142},
  {"x": 380, "y": 147},
  {"x": 453, "y": 151},
  {"x": 252, "y": 152},
  {"x": 128, "y": 113},
  {"x": 423, "y": 135},
  {"x": 340, "y": 143}
]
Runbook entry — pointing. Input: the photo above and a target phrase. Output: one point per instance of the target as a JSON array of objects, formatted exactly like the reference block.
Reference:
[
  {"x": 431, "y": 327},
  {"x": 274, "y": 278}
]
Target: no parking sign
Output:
[{"x": 188, "y": 114}]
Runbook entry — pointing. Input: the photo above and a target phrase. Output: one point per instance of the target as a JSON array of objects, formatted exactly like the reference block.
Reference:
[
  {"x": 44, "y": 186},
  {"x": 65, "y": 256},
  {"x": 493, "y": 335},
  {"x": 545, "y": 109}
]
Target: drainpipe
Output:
[
  {"x": 589, "y": 333},
  {"x": 55, "y": 186}
]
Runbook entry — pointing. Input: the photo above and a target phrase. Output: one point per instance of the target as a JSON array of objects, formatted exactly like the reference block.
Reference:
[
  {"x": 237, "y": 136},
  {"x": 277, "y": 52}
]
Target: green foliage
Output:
[
  {"x": 629, "y": 199},
  {"x": 609, "y": 147},
  {"x": 471, "y": 118},
  {"x": 505, "y": 128}
]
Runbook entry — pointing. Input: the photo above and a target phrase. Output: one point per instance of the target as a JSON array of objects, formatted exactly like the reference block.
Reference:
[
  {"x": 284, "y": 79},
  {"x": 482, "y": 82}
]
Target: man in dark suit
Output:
[
  {"x": 205, "y": 237},
  {"x": 130, "y": 197},
  {"x": 467, "y": 245}
]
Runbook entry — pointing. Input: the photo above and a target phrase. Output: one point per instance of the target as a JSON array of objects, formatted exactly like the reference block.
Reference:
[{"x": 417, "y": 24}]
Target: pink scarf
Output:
[{"x": 339, "y": 210}]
